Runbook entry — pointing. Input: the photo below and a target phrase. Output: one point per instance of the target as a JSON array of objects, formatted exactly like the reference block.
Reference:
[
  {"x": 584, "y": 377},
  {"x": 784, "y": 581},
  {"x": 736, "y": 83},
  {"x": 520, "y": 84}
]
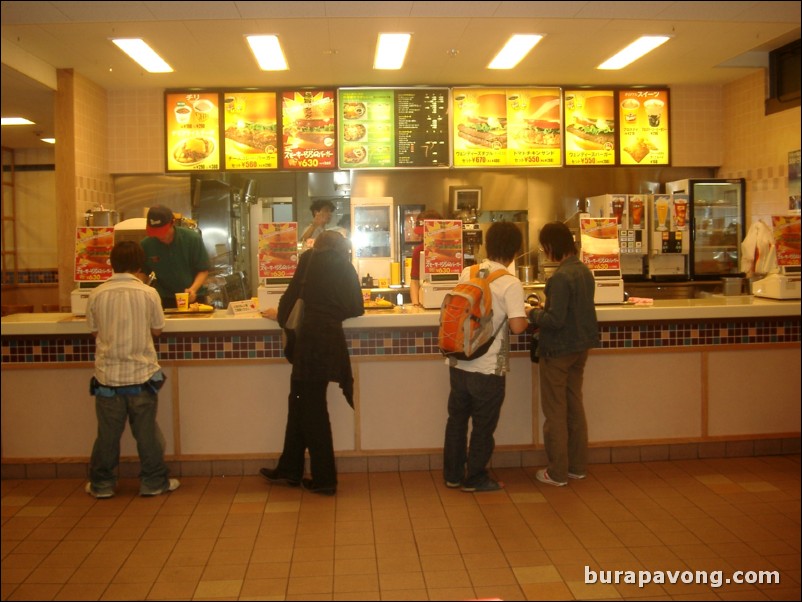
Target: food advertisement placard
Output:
[
  {"x": 192, "y": 131},
  {"x": 92, "y": 253},
  {"x": 277, "y": 252},
  {"x": 442, "y": 246},
  {"x": 500, "y": 127},
  {"x": 249, "y": 130},
  {"x": 643, "y": 117},
  {"x": 599, "y": 240},
  {"x": 309, "y": 132},
  {"x": 400, "y": 127},
  {"x": 590, "y": 127},
  {"x": 786, "y": 238}
]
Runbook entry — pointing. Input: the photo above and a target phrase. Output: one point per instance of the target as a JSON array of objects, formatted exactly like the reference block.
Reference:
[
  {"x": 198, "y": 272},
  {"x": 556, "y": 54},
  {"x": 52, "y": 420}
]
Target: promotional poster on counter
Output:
[
  {"x": 786, "y": 229},
  {"x": 92, "y": 253},
  {"x": 507, "y": 127},
  {"x": 600, "y": 249},
  {"x": 442, "y": 246},
  {"x": 644, "y": 122},
  {"x": 192, "y": 131},
  {"x": 250, "y": 130},
  {"x": 308, "y": 130},
  {"x": 388, "y": 127},
  {"x": 277, "y": 253},
  {"x": 590, "y": 127}
]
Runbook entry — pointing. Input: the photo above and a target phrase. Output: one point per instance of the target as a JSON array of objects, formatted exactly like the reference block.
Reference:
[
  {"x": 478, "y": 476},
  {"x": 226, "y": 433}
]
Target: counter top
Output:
[{"x": 714, "y": 307}]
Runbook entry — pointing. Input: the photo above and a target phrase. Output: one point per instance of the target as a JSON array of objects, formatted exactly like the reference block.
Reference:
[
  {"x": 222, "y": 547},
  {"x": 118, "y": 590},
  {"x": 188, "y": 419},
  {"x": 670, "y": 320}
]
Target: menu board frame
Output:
[
  {"x": 369, "y": 134},
  {"x": 192, "y": 131},
  {"x": 587, "y": 141},
  {"x": 307, "y": 138},
  {"x": 254, "y": 142},
  {"x": 644, "y": 131}
]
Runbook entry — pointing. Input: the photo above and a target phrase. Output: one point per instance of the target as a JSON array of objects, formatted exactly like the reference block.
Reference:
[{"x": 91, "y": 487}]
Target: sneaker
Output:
[
  {"x": 487, "y": 485},
  {"x": 453, "y": 484},
  {"x": 319, "y": 489},
  {"x": 577, "y": 476},
  {"x": 543, "y": 476},
  {"x": 275, "y": 477},
  {"x": 172, "y": 485},
  {"x": 100, "y": 495}
]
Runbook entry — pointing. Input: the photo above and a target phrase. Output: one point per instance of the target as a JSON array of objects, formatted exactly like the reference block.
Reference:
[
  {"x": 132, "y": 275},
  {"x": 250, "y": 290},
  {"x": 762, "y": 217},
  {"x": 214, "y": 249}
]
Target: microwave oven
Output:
[{"x": 465, "y": 199}]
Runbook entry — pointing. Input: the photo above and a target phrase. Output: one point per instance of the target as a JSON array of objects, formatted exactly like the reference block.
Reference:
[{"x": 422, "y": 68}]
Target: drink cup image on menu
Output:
[
  {"x": 654, "y": 111},
  {"x": 183, "y": 112},
  {"x": 636, "y": 212},
  {"x": 630, "y": 106},
  {"x": 661, "y": 205},
  {"x": 680, "y": 213},
  {"x": 617, "y": 206}
]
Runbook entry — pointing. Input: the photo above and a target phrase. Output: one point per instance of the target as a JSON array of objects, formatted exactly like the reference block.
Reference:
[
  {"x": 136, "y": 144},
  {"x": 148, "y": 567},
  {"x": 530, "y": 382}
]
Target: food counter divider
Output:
[{"x": 674, "y": 379}]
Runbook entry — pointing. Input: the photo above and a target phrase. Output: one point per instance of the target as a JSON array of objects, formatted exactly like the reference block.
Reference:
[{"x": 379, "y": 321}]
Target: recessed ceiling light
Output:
[
  {"x": 48, "y": 140},
  {"x": 391, "y": 50},
  {"x": 143, "y": 54},
  {"x": 15, "y": 121},
  {"x": 516, "y": 48},
  {"x": 633, "y": 52},
  {"x": 268, "y": 53}
]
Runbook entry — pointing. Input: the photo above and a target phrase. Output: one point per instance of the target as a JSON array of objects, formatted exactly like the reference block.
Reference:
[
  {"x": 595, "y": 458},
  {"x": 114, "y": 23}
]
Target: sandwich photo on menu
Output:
[
  {"x": 487, "y": 126},
  {"x": 593, "y": 126},
  {"x": 252, "y": 137},
  {"x": 541, "y": 126}
]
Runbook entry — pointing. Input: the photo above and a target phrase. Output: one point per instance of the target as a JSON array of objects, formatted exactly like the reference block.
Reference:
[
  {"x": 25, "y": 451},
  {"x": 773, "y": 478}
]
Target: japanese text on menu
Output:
[{"x": 192, "y": 131}]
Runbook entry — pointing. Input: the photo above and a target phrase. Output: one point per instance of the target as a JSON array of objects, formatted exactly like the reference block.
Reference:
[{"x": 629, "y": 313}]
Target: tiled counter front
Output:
[{"x": 658, "y": 388}]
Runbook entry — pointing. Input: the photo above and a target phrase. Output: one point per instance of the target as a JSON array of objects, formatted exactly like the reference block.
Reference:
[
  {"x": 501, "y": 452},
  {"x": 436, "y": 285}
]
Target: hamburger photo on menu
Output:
[
  {"x": 592, "y": 127},
  {"x": 486, "y": 125},
  {"x": 541, "y": 125}
]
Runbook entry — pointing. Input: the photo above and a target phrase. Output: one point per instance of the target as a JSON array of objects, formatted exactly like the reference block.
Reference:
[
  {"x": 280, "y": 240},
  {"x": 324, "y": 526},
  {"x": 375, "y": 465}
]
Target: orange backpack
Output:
[{"x": 466, "y": 316}]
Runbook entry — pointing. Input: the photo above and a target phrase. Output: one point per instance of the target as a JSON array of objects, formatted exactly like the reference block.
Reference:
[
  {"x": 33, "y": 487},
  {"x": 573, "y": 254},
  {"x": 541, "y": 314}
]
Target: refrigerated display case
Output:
[
  {"x": 717, "y": 215},
  {"x": 373, "y": 236}
]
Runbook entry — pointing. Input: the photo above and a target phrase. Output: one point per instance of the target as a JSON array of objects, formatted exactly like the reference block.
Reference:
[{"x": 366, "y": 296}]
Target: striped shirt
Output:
[{"x": 122, "y": 311}]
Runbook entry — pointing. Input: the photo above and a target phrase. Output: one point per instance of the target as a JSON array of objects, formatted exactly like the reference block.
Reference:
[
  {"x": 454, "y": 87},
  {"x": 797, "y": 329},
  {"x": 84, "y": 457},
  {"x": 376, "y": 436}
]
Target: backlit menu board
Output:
[
  {"x": 192, "y": 131},
  {"x": 384, "y": 128},
  {"x": 644, "y": 123},
  {"x": 249, "y": 134},
  {"x": 590, "y": 127},
  {"x": 507, "y": 127},
  {"x": 308, "y": 129}
]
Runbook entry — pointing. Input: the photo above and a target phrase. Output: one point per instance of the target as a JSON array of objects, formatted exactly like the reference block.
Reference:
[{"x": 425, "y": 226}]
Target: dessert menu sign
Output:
[
  {"x": 192, "y": 131},
  {"x": 277, "y": 252},
  {"x": 644, "y": 121},
  {"x": 385, "y": 128},
  {"x": 249, "y": 124},
  {"x": 308, "y": 129},
  {"x": 499, "y": 127},
  {"x": 92, "y": 253}
]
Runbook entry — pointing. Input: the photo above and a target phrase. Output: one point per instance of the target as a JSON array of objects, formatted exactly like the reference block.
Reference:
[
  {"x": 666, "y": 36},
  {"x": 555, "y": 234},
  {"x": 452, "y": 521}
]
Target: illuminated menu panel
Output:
[
  {"x": 192, "y": 131},
  {"x": 249, "y": 133},
  {"x": 644, "y": 124},
  {"x": 308, "y": 129},
  {"x": 385, "y": 128},
  {"x": 590, "y": 127},
  {"x": 507, "y": 127}
]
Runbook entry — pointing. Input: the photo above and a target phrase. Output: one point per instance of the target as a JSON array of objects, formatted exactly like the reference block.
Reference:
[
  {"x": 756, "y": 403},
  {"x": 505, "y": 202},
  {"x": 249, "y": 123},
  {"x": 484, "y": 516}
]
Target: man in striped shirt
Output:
[{"x": 124, "y": 314}]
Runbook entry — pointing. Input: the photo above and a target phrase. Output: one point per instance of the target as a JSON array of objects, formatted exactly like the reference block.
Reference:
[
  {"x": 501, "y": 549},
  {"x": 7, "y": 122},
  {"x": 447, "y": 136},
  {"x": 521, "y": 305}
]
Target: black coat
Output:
[{"x": 332, "y": 294}]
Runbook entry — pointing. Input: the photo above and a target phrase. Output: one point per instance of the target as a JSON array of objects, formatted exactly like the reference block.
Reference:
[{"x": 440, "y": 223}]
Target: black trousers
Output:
[{"x": 308, "y": 427}]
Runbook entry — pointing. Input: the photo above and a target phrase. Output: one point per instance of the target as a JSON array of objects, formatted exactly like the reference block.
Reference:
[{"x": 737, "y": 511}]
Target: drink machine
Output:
[
  {"x": 669, "y": 246},
  {"x": 633, "y": 228}
]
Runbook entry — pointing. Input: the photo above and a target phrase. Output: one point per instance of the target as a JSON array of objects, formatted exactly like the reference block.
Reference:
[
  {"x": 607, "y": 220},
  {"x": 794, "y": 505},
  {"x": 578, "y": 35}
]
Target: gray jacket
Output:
[{"x": 567, "y": 322}]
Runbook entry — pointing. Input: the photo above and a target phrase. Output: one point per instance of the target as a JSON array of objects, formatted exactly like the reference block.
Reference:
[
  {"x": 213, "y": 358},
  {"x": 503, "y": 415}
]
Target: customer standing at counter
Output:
[
  {"x": 322, "y": 210},
  {"x": 478, "y": 386},
  {"x": 414, "y": 274},
  {"x": 567, "y": 330},
  {"x": 124, "y": 314},
  {"x": 177, "y": 256},
  {"x": 318, "y": 352}
]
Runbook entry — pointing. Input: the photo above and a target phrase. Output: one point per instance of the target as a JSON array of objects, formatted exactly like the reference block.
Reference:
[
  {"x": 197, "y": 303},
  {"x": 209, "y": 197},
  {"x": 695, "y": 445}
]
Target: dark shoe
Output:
[
  {"x": 487, "y": 485},
  {"x": 319, "y": 489},
  {"x": 100, "y": 495},
  {"x": 275, "y": 477}
]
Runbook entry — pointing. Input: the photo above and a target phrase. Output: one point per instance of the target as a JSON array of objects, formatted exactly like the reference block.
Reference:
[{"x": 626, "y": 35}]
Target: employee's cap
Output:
[{"x": 159, "y": 219}]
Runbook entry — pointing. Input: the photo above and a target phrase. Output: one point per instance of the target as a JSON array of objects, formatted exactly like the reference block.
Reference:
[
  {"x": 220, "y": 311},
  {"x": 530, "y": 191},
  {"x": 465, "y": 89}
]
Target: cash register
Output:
[{"x": 783, "y": 284}]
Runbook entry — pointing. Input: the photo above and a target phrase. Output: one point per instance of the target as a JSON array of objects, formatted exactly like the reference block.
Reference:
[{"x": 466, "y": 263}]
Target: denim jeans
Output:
[
  {"x": 140, "y": 410},
  {"x": 476, "y": 397}
]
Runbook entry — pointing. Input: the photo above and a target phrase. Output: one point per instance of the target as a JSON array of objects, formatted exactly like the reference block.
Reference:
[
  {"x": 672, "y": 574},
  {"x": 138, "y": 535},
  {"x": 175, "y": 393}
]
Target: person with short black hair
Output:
[
  {"x": 322, "y": 210},
  {"x": 124, "y": 314},
  {"x": 567, "y": 330},
  {"x": 478, "y": 386}
]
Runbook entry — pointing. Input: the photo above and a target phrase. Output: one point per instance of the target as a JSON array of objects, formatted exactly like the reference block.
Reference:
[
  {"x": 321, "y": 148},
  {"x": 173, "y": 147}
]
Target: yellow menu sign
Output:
[
  {"x": 250, "y": 137},
  {"x": 644, "y": 120},
  {"x": 193, "y": 142},
  {"x": 589, "y": 127}
]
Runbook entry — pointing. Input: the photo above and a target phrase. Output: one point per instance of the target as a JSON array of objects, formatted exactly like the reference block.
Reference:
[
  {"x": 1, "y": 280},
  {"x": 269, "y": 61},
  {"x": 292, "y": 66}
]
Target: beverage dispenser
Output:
[
  {"x": 670, "y": 236},
  {"x": 631, "y": 212}
]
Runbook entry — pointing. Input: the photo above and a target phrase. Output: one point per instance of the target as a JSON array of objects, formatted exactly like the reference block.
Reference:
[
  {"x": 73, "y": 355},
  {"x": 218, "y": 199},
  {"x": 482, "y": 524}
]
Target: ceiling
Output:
[{"x": 332, "y": 44}]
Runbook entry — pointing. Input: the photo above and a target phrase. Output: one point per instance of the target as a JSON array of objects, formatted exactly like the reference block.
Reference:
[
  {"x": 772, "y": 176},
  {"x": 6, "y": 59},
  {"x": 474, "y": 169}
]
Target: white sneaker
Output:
[
  {"x": 543, "y": 476},
  {"x": 100, "y": 495},
  {"x": 172, "y": 485},
  {"x": 577, "y": 476}
]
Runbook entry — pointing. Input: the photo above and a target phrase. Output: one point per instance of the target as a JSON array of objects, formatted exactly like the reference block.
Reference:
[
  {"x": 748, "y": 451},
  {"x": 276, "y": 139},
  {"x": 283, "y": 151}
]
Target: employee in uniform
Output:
[
  {"x": 177, "y": 256},
  {"x": 322, "y": 210}
]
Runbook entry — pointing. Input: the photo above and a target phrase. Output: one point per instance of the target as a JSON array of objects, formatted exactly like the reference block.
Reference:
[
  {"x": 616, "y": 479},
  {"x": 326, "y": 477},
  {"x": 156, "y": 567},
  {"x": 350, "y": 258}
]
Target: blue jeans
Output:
[
  {"x": 140, "y": 410},
  {"x": 478, "y": 398}
]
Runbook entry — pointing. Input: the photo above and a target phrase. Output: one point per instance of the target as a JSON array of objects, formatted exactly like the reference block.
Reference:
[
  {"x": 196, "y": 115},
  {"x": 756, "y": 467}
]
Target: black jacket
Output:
[{"x": 331, "y": 293}]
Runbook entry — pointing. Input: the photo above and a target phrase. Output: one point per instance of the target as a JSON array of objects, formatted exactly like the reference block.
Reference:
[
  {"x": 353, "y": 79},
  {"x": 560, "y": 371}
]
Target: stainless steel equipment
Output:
[
  {"x": 633, "y": 229},
  {"x": 669, "y": 237}
]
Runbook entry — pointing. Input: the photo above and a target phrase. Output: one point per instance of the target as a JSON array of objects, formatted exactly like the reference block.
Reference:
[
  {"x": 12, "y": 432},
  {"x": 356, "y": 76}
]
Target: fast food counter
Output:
[{"x": 680, "y": 376}]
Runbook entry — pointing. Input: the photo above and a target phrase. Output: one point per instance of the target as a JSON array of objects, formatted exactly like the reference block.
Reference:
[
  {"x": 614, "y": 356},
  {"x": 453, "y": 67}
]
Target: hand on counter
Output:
[{"x": 270, "y": 313}]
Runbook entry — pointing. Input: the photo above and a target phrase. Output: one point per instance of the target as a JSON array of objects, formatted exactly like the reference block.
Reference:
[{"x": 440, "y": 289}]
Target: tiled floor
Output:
[{"x": 405, "y": 536}]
